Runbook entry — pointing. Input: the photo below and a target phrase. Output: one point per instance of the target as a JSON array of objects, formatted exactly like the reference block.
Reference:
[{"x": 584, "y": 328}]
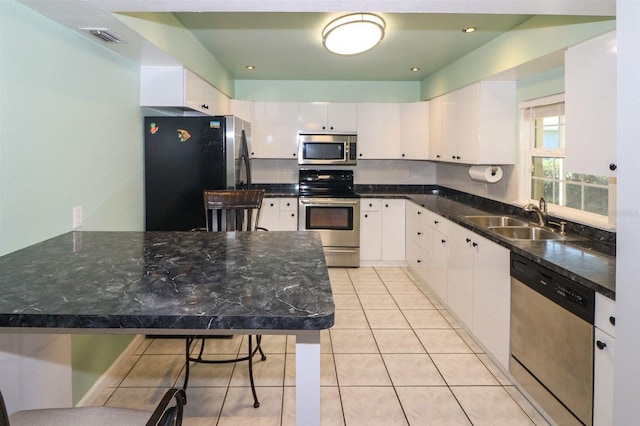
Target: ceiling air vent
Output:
[{"x": 103, "y": 34}]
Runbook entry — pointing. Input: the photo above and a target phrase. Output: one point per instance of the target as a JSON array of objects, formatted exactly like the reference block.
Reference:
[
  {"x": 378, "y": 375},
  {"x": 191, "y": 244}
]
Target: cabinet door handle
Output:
[
  {"x": 443, "y": 241},
  {"x": 601, "y": 345},
  {"x": 474, "y": 244},
  {"x": 419, "y": 212},
  {"x": 419, "y": 261},
  {"x": 612, "y": 320},
  {"x": 293, "y": 214},
  {"x": 386, "y": 205},
  {"x": 468, "y": 240},
  {"x": 366, "y": 215},
  {"x": 435, "y": 222},
  {"x": 419, "y": 233}
]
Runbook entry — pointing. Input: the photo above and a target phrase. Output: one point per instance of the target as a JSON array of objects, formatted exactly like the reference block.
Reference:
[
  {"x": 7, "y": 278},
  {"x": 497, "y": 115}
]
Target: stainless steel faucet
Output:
[{"x": 540, "y": 210}]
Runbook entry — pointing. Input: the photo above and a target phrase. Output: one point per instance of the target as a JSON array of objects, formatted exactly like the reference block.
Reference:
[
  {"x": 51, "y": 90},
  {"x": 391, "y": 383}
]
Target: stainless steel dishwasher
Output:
[{"x": 552, "y": 341}]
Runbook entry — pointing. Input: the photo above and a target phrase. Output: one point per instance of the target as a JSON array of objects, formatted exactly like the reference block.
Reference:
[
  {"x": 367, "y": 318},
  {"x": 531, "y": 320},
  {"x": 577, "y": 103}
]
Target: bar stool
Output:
[{"x": 230, "y": 210}]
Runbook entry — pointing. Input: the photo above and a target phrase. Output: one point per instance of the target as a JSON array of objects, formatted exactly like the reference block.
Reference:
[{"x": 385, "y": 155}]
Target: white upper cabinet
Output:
[
  {"x": 414, "y": 130},
  {"x": 275, "y": 130},
  {"x": 477, "y": 124},
  {"x": 435, "y": 129},
  {"x": 178, "y": 87},
  {"x": 324, "y": 117},
  {"x": 379, "y": 131},
  {"x": 590, "y": 106}
]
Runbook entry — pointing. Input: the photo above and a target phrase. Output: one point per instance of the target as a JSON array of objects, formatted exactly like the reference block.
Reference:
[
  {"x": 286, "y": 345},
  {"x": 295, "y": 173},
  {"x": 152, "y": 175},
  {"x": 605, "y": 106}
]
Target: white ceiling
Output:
[{"x": 282, "y": 37}]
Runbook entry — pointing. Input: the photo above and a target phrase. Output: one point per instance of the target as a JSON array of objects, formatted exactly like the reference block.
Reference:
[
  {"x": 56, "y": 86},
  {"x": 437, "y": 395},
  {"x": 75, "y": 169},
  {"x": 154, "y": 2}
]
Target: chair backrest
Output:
[{"x": 232, "y": 210}]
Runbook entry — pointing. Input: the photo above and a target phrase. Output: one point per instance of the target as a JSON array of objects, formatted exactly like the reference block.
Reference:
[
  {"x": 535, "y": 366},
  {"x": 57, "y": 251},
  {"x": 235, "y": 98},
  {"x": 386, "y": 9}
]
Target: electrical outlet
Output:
[{"x": 77, "y": 217}]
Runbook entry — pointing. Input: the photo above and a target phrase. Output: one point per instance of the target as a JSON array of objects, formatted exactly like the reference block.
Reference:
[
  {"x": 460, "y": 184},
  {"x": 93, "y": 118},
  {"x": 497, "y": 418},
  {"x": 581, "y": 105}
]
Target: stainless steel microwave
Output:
[{"x": 328, "y": 149}]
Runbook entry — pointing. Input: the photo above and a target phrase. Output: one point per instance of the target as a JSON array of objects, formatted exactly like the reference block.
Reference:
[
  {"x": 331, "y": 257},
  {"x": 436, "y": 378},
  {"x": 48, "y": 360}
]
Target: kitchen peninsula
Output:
[{"x": 176, "y": 283}]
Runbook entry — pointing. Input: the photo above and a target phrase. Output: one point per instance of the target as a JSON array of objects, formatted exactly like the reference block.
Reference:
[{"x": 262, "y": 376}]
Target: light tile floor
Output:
[{"x": 394, "y": 357}]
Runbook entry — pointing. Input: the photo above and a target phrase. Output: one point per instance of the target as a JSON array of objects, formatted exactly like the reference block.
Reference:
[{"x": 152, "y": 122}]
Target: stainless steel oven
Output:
[
  {"x": 329, "y": 205},
  {"x": 338, "y": 221},
  {"x": 552, "y": 341}
]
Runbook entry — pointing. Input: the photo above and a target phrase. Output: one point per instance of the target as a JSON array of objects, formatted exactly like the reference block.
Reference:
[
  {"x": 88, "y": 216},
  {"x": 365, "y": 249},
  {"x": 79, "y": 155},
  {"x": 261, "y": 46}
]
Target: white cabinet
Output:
[
  {"x": 379, "y": 131},
  {"x": 243, "y": 110},
  {"x": 492, "y": 297},
  {"x": 321, "y": 117},
  {"x": 438, "y": 262},
  {"x": 417, "y": 240},
  {"x": 279, "y": 214},
  {"x": 435, "y": 129},
  {"x": 603, "y": 357},
  {"x": 179, "y": 87},
  {"x": 479, "y": 289},
  {"x": 460, "y": 274},
  {"x": 275, "y": 131},
  {"x": 590, "y": 106},
  {"x": 414, "y": 131},
  {"x": 382, "y": 230},
  {"x": 478, "y": 124}
]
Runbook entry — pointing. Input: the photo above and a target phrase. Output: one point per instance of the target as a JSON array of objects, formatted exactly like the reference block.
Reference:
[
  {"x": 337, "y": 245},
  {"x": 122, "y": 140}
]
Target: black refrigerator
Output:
[{"x": 183, "y": 157}]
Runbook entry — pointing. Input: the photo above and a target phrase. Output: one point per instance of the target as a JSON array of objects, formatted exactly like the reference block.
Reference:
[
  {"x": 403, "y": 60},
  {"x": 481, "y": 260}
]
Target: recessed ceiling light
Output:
[
  {"x": 415, "y": 69},
  {"x": 353, "y": 34},
  {"x": 469, "y": 30},
  {"x": 250, "y": 67}
]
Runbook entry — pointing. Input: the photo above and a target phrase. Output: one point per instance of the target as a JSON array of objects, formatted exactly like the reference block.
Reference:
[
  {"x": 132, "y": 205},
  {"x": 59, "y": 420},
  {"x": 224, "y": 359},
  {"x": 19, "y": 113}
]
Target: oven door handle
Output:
[{"x": 328, "y": 201}]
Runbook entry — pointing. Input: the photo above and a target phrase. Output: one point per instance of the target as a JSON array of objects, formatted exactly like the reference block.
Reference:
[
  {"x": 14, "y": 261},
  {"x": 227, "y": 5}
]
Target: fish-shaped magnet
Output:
[{"x": 183, "y": 135}]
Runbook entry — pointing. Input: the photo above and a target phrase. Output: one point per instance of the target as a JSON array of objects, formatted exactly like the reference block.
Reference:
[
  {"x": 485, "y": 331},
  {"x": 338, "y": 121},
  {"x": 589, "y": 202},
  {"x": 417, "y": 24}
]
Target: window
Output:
[{"x": 544, "y": 124}]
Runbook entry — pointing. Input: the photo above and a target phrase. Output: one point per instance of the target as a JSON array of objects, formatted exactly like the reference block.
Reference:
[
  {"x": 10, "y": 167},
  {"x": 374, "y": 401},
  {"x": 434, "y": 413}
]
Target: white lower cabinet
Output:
[
  {"x": 603, "y": 357},
  {"x": 469, "y": 274},
  {"x": 438, "y": 265},
  {"x": 492, "y": 297},
  {"x": 279, "y": 214},
  {"x": 417, "y": 239},
  {"x": 460, "y": 274},
  {"x": 382, "y": 230}
]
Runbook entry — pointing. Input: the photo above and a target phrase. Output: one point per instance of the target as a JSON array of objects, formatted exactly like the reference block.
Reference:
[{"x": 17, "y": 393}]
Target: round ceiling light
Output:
[{"x": 353, "y": 34}]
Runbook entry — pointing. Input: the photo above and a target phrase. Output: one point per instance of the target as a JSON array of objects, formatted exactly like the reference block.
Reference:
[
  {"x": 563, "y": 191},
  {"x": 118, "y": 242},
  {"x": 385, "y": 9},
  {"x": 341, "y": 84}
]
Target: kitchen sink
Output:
[
  {"x": 526, "y": 233},
  {"x": 489, "y": 221}
]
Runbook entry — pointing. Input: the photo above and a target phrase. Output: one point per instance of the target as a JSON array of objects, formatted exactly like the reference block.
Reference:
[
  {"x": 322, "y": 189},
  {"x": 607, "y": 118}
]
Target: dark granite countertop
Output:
[
  {"x": 168, "y": 280},
  {"x": 589, "y": 262}
]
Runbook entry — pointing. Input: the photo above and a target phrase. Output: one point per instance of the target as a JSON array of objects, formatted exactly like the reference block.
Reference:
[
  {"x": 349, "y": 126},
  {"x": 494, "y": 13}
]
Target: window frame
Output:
[{"x": 528, "y": 152}]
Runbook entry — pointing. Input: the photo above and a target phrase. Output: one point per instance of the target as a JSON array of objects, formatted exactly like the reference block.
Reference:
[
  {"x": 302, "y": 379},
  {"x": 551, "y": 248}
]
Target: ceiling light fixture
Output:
[
  {"x": 469, "y": 30},
  {"x": 415, "y": 69},
  {"x": 250, "y": 67},
  {"x": 353, "y": 34}
]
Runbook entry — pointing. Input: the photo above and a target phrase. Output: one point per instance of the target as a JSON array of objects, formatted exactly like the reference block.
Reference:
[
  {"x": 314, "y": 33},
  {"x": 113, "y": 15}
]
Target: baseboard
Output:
[{"x": 101, "y": 384}]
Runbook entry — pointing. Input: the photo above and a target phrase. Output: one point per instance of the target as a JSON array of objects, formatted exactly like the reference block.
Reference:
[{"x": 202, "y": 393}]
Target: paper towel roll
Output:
[{"x": 487, "y": 174}]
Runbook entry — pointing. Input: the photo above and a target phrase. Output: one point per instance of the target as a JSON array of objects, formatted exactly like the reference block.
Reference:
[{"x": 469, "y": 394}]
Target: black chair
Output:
[
  {"x": 165, "y": 414},
  {"x": 231, "y": 210}
]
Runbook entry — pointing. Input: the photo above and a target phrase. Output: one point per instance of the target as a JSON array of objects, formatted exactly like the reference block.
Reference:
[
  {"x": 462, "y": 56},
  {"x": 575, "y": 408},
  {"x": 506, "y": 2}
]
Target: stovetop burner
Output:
[{"x": 326, "y": 183}]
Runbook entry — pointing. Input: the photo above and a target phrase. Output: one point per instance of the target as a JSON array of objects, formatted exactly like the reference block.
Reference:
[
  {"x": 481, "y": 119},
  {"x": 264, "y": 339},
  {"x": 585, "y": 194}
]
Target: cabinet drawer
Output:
[
  {"x": 370, "y": 204},
  {"x": 288, "y": 204},
  {"x": 605, "y": 317},
  {"x": 438, "y": 223}
]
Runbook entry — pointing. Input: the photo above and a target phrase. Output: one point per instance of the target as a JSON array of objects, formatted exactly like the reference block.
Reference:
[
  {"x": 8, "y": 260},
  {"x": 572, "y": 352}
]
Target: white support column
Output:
[{"x": 308, "y": 378}]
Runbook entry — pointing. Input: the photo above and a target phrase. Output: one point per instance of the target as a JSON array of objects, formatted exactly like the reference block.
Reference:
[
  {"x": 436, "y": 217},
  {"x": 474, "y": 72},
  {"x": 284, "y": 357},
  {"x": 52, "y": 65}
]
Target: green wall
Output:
[
  {"x": 533, "y": 39},
  {"x": 327, "y": 91},
  {"x": 70, "y": 135}
]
